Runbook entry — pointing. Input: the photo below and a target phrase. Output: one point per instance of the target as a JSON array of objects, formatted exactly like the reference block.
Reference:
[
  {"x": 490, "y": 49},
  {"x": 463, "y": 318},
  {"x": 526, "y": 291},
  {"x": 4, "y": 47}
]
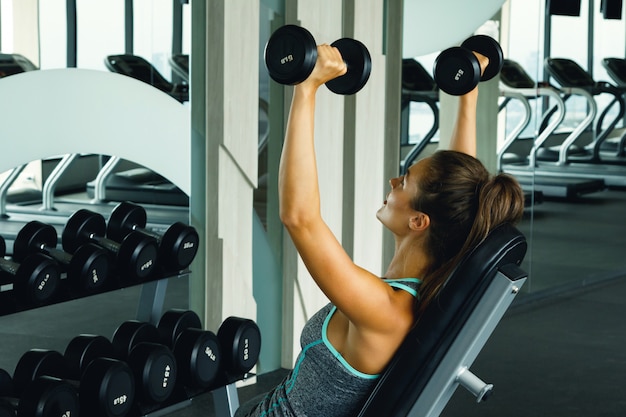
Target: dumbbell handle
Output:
[
  {"x": 9, "y": 266},
  {"x": 105, "y": 243},
  {"x": 147, "y": 232},
  {"x": 56, "y": 254}
]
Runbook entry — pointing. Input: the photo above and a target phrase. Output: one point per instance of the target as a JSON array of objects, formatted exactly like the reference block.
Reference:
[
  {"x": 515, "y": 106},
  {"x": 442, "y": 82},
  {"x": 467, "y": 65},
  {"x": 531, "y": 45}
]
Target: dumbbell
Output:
[
  {"x": 135, "y": 255},
  {"x": 106, "y": 386},
  {"x": 153, "y": 364},
  {"x": 291, "y": 53},
  {"x": 35, "y": 279},
  {"x": 197, "y": 351},
  {"x": 43, "y": 397},
  {"x": 178, "y": 245},
  {"x": 457, "y": 70},
  {"x": 87, "y": 269},
  {"x": 240, "y": 342}
]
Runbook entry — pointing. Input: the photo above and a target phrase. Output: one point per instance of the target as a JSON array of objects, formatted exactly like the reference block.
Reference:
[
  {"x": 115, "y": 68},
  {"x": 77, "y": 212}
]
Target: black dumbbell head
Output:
[
  {"x": 31, "y": 237},
  {"x": 155, "y": 371},
  {"x": 137, "y": 256},
  {"x": 179, "y": 246},
  {"x": 198, "y": 357},
  {"x": 173, "y": 322},
  {"x": 240, "y": 342},
  {"x": 456, "y": 71},
  {"x": 131, "y": 333},
  {"x": 89, "y": 268},
  {"x": 197, "y": 351},
  {"x": 124, "y": 217},
  {"x": 80, "y": 225},
  {"x": 489, "y": 47},
  {"x": 359, "y": 65},
  {"x": 83, "y": 349},
  {"x": 290, "y": 54},
  {"x": 37, "y": 279},
  {"x": 107, "y": 388},
  {"x": 35, "y": 363},
  {"x": 48, "y": 396}
]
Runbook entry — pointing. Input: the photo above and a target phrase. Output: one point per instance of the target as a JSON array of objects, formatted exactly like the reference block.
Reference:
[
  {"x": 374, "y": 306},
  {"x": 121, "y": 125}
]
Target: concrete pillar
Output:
[{"x": 224, "y": 102}]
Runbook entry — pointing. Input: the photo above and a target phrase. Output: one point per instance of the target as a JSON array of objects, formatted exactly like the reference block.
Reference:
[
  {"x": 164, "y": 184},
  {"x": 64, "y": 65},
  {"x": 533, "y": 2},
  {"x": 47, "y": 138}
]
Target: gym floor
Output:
[{"x": 557, "y": 352}]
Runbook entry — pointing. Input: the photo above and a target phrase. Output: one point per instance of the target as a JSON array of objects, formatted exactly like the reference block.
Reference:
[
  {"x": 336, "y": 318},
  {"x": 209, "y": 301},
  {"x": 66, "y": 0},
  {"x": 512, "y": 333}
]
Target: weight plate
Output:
[
  {"x": 131, "y": 333},
  {"x": 456, "y": 71},
  {"x": 30, "y": 238},
  {"x": 137, "y": 256},
  {"x": 124, "y": 218},
  {"x": 489, "y": 47},
  {"x": 89, "y": 268},
  {"x": 178, "y": 247},
  {"x": 198, "y": 357},
  {"x": 359, "y": 63},
  {"x": 107, "y": 388},
  {"x": 240, "y": 342},
  {"x": 36, "y": 363},
  {"x": 79, "y": 228},
  {"x": 290, "y": 54},
  {"x": 83, "y": 349},
  {"x": 173, "y": 322},
  {"x": 49, "y": 397},
  {"x": 6, "y": 384},
  {"x": 154, "y": 368},
  {"x": 37, "y": 279}
]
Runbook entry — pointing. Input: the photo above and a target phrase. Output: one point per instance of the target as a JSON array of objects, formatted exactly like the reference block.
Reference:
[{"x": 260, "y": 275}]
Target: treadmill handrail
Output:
[
  {"x": 582, "y": 126},
  {"x": 525, "y": 93},
  {"x": 517, "y": 130}
]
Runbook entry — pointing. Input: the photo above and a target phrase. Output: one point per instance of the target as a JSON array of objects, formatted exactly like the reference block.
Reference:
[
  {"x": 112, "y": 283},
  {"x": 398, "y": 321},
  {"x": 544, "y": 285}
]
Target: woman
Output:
[{"x": 444, "y": 206}]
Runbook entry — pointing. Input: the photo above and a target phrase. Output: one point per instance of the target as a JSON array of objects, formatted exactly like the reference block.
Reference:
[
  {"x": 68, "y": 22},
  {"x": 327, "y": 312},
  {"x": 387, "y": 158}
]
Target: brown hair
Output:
[{"x": 464, "y": 202}]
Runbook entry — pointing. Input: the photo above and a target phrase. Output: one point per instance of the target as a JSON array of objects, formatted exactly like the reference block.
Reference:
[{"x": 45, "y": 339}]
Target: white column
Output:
[{"x": 224, "y": 155}]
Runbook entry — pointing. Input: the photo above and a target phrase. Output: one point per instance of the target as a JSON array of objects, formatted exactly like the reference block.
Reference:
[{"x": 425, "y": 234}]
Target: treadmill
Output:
[
  {"x": 569, "y": 160},
  {"x": 515, "y": 83},
  {"x": 592, "y": 160},
  {"x": 180, "y": 66},
  {"x": 603, "y": 147},
  {"x": 616, "y": 68},
  {"x": 140, "y": 69}
]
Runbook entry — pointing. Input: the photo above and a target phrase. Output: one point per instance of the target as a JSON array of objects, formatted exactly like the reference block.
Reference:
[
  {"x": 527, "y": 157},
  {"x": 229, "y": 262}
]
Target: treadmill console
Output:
[
  {"x": 140, "y": 69},
  {"x": 513, "y": 75}
]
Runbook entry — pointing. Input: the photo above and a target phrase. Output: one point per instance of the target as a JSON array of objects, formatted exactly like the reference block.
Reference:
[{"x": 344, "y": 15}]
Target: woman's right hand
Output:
[{"x": 329, "y": 65}]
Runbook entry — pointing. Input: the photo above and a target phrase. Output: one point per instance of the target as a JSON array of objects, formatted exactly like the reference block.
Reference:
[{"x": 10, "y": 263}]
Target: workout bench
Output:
[{"x": 436, "y": 355}]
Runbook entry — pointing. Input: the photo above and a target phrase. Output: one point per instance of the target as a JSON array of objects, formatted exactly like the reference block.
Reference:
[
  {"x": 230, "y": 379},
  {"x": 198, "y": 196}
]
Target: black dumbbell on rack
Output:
[
  {"x": 197, "y": 351},
  {"x": 106, "y": 387},
  {"x": 178, "y": 245},
  {"x": 43, "y": 397},
  {"x": 457, "y": 70},
  {"x": 135, "y": 256},
  {"x": 240, "y": 341},
  {"x": 35, "y": 280},
  {"x": 87, "y": 269},
  {"x": 291, "y": 53},
  {"x": 153, "y": 364}
]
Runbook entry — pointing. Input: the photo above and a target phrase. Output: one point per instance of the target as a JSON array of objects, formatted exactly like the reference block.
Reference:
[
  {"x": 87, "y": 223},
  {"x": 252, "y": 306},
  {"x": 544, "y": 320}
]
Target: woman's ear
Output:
[{"x": 419, "y": 222}]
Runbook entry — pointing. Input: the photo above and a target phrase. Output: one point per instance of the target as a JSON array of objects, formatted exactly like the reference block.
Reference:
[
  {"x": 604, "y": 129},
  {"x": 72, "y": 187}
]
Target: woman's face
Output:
[{"x": 397, "y": 210}]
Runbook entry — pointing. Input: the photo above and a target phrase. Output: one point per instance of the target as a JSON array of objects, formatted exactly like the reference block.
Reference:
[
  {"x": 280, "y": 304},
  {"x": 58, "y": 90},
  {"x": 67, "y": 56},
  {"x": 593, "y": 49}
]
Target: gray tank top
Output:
[{"x": 322, "y": 383}]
